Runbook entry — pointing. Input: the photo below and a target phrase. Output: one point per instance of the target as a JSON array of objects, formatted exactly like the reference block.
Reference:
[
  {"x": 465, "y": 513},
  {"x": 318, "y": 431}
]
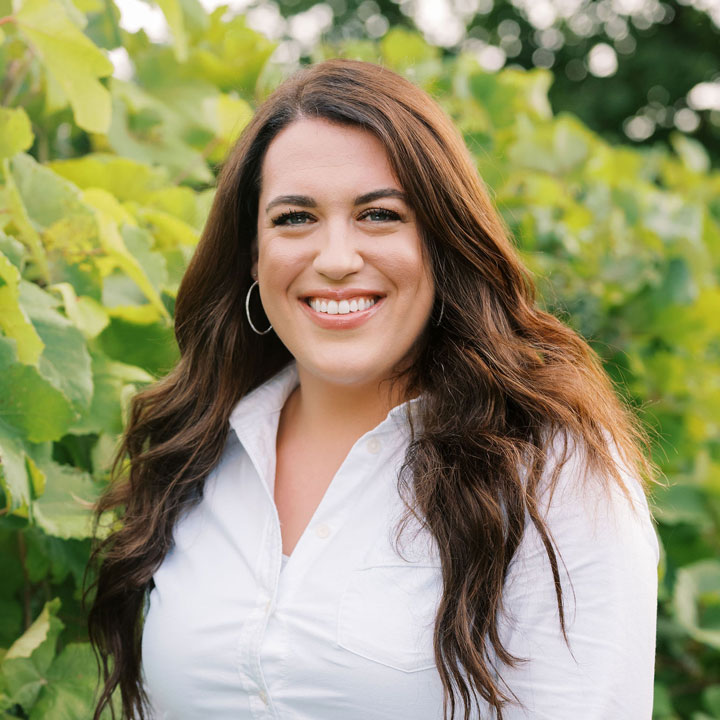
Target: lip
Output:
[
  {"x": 341, "y": 293},
  {"x": 341, "y": 322}
]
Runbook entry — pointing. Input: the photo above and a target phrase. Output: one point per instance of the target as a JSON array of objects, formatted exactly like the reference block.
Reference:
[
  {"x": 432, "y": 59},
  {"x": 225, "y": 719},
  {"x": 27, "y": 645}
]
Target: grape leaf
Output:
[{"x": 71, "y": 58}]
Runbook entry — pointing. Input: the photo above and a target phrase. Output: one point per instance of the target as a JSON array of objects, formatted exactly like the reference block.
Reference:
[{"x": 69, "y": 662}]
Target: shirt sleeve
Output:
[{"x": 607, "y": 559}]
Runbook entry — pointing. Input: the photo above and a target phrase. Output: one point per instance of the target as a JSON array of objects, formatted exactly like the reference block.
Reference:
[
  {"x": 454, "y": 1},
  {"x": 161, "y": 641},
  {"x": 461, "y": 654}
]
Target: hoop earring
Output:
[
  {"x": 442, "y": 310},
  {"x": 247, "y": 312}
]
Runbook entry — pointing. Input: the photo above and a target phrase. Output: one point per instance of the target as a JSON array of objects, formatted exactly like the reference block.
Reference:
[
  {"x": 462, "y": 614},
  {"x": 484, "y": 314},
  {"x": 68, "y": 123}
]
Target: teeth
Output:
[{"x": 343, "y": 307}]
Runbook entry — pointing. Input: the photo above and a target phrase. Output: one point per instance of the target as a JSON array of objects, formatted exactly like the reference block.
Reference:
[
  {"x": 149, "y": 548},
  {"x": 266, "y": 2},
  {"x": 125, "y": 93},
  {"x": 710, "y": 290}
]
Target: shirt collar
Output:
[{"x": 269, "y": 398}]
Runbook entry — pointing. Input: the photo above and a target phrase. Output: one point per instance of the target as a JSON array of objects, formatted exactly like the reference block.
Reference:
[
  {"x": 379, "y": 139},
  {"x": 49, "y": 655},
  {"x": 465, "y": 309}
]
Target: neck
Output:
[{"x": 333, "y": 410}]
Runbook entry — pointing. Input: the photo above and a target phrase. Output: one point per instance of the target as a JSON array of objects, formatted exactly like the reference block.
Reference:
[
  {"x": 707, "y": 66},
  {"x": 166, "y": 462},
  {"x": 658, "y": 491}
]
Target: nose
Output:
[{"x": 337, "y": 255}]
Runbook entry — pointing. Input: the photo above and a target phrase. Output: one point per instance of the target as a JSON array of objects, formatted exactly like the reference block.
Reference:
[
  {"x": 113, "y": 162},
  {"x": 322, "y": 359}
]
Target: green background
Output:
[{"x": 104, "y": 188}]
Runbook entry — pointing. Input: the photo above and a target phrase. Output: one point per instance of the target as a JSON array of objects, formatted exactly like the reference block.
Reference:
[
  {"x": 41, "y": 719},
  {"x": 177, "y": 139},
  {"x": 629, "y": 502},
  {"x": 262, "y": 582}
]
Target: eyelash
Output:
[{"x": 390, "y": 215}]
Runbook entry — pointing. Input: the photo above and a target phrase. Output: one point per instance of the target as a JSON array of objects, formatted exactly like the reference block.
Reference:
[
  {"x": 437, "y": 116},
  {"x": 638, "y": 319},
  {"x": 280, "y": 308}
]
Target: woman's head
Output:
[
  {"x": 399, "y": 138},
  {"x": 343, "y": 275}
]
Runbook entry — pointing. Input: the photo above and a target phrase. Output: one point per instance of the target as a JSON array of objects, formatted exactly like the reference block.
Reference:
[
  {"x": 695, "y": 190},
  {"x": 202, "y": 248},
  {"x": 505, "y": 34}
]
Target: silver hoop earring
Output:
[
  {"x": 247, "y": 312},
  {"x": 442, "y": 310}
]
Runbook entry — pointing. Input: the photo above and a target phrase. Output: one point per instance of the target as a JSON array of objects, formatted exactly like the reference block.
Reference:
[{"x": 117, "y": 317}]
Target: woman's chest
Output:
[{"x": 345, "y": 630}]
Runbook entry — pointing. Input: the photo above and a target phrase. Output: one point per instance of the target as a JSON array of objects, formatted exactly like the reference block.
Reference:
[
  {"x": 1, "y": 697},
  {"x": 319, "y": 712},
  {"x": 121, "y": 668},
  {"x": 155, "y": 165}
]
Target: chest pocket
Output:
[{"x": 387, "y": 613}]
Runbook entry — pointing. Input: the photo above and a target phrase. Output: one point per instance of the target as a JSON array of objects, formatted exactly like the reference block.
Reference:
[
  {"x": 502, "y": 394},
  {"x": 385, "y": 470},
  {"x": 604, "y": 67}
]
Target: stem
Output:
[
  {"x": 43, "y": 147},
  {"x": 22, "y": 550},
  {"x": 16, "y": 79}
]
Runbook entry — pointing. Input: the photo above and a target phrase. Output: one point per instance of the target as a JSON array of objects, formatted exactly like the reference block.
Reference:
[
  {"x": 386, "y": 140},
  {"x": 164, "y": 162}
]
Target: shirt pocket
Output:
[{"x": 387, "y": 614}]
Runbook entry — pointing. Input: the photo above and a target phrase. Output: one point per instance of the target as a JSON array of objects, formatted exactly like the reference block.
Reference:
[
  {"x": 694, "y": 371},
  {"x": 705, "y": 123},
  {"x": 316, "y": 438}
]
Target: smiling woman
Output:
[{"x": 387, "y": 485}]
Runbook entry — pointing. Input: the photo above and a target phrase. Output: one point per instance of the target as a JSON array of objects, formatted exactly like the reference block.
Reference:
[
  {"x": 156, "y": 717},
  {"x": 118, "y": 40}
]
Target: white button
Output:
[
  {"x": 264, "y": 697},
  {"x": 373, "y": 446},
  {"x": 322, "y": 531},
  {"x": 267, "y": 605}
]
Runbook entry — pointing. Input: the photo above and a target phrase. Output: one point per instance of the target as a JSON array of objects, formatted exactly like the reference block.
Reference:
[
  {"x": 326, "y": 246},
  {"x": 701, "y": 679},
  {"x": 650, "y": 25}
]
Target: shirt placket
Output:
[{"x": 274, "y": 589}]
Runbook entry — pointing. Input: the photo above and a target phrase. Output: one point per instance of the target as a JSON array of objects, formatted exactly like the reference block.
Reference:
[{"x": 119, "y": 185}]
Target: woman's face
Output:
[{"x": 343, "y": 278}]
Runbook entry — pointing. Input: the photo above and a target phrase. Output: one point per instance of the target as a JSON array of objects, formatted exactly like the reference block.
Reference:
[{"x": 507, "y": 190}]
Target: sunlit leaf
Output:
[
  {"x": 71, "y": 58},
  {"x": 15, "y": 132}
]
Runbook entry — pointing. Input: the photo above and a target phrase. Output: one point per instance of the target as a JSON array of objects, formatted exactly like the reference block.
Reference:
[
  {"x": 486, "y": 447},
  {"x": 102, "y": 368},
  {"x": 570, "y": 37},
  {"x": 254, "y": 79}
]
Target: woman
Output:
[{"x": 380, "y": 482}]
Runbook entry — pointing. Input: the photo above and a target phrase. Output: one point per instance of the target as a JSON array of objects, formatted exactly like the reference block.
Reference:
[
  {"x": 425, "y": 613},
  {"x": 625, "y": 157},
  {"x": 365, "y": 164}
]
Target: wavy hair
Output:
[{"x": 500, "y": 379}]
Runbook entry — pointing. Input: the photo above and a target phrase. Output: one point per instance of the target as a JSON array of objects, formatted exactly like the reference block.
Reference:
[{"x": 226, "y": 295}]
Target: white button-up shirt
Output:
[{"x": 344, "y": 630}]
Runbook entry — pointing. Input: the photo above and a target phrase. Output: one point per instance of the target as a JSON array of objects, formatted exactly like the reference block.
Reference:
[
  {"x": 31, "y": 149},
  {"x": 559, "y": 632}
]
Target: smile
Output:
[{"x": 340, "y": 307}]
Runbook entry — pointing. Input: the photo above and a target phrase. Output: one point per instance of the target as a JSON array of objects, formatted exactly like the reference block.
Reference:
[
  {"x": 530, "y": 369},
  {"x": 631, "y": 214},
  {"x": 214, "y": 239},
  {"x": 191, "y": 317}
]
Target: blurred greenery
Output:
[
  {"x": 627, "y": 68},
  {"x": 105, "y": 185}
]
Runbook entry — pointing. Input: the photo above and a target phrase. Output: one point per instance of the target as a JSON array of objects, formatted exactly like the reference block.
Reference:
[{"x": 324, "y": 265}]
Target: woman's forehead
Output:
[{"x": 317, "y": 156}]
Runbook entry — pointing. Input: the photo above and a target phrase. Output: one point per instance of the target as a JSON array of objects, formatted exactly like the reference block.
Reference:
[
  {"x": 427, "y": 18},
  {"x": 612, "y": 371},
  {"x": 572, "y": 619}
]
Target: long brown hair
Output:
[{"x": 500, "y": 378}]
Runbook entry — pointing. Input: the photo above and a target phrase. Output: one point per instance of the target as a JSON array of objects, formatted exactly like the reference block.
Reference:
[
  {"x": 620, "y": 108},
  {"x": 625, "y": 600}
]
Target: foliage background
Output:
[{"x": 105, "y": 184}]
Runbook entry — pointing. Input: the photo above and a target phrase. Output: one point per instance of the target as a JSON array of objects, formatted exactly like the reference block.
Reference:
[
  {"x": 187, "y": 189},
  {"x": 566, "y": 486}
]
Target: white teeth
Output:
[{"x": 342, "y": 307}]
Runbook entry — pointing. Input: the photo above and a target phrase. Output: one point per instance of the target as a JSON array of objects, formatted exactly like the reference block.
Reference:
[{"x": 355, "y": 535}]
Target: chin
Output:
[{"x": 348, "y": 374}]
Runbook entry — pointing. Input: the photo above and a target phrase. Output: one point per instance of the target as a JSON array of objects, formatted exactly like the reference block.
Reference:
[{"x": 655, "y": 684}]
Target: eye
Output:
[
  {"x": 380, "y": 214},
  {"x": 293, "y": 217}
]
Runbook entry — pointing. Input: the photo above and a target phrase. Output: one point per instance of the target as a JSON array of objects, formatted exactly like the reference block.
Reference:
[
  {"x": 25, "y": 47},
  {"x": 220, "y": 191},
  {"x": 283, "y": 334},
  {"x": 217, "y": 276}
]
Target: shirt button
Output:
[
  {"x": 263, "y": 696},
  {"x": 373, "y": 446},
  {"x": 322, "y": 531},
  {"x": 267, "y": 605}
]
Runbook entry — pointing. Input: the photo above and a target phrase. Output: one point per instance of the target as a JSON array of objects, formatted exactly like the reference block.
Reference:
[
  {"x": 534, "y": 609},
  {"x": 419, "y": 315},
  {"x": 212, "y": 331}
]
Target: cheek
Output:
[
  {"x": 407, "y": 270},
  {"x": 279, "y": 261}
]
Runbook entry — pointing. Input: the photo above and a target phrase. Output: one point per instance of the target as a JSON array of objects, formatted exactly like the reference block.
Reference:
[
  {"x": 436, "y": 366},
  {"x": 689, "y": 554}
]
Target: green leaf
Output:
[
  {"x": 15, "y": 132},
  {"x": 71, "y": 59},
  {"x": 71, "y": 686},
  {"x": 26, "y": 230},
  {"x": 28, "y": 402},
  {"x": 114, "y": 245},
  {"x": 163, "y": 143},
  {"x": 172, "y": 9},
  {"x": 13, "y": 250},
  {"x": 54, "y": 558},
  {"x": 111, "y": 381},
  {"x": 46, "y": 196},
  {"x": 65, "y": 360},
  {"x": 711, "y": 700},
  {"x": 65, "y": 508},
  {"x": 122, "y": 177},
  {"x": 151, "y": 347},
  {"x": 14, "y": 321},
  {"x": 139, "y": 243},
  {"x": 697, "y": 601},
  {"x": 692, "y": 153},
  {"x": 27, "y": 661},
  {"x": 15, "y": 479},
  {"x": 87, "y": 314},
  {"x": 403, "y": 49}
]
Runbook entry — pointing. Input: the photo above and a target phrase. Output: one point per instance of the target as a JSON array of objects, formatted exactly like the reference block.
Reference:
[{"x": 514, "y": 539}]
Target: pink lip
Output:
[
  {"x": 342, "y": 322},
  {"x": 341, "y": 293}
]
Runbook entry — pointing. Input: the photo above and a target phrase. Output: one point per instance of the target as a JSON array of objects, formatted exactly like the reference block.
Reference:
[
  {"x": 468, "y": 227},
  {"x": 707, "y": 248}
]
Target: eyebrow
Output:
[{"x": 307, "y": 201}]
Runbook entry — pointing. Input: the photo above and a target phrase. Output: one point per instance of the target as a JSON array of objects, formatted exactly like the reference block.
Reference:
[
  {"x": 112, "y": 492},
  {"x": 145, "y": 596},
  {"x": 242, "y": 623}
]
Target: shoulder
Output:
[
  {"x": 589, "y": 500},
  {"x": 602, "y": 531}
]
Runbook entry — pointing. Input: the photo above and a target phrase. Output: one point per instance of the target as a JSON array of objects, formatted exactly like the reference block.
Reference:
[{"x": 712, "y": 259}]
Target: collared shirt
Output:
[{"x": 344, "y": 630}]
